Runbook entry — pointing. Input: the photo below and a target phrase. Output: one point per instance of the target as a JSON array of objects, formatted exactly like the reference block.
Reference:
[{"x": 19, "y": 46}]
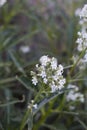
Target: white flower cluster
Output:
[
  {"x": 82, "y": 37},
  {"x": 2, "y": 2},
  {"x": 82, "y": 45},
  {"x": 83, "y": 13},
  {"x": 82, "y": 41},
  {"x": 74, "y": 94},
  {"x": 49, "y": 74}
]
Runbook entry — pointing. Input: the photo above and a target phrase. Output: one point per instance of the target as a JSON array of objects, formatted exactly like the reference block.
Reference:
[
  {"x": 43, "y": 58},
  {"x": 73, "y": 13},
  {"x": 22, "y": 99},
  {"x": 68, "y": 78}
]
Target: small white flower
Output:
[
  {"x": 42, "y": 72},
  {"x": 81, "y": 22},
  {"x": 79, "y": 47},
  {"x": 84, "y": 35},
  {"x": 2, "y": 2},
  {"x": 32, "y": 73},
  {"x": 54, "y": 63},
  {"x": 77, "y": 12},
  {"x": 53, "y": 88},
  {"x": 31, "y": 105},
  {"x": 34, "y": 80},
  {"x": 79, "y": 41},
  {"x": 55, "y": 77},
  {"x": 62, "y": 81},
  {"x": 83, "y": 13},
  {"x": 37, "y": 65},
  {"x": 81, "y": 98},
  {"x": 61, "y": 68},
  {"x": 25, "y": 49},
  {"x": 44, "y": 60},
  {"x": 79, "y": 33},
  {"x": 58, "y": 72},
  {"x": 45, "y": 80},
  {"x": 60, "y": 87},
  {"x": 84, "y": 28},
  {"x": 35, "y": 106}
]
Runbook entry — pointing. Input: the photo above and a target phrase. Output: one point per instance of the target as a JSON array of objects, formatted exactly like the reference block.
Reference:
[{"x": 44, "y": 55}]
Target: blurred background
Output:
[{"x": 28, "y": 30}]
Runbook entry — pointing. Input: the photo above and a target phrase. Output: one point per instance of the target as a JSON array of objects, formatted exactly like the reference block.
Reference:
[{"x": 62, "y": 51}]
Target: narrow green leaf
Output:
[
  {"x": 27, "y": 119},
  {"x": 1, "y": 126},
  {"x": 8, "y": 107},
  {"x": 46, "y": 100},
  {"x": 22, "y": 38},
  {"x": 16, "y": 62},
  {"x": 25, "y": 82},
  {"x": 82, "y": 123},
  {"x": 50, "y": 127},
  {"x": 11, "y": 103}
]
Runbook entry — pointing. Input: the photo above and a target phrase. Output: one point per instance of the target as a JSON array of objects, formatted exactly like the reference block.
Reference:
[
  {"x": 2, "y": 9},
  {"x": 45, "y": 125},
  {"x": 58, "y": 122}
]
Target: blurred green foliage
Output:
[{"x": 45, "y": 30}]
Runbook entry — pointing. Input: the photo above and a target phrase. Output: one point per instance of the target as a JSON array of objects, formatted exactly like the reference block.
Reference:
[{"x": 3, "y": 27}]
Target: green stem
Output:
[
  {"x": 39, "y": 93},
  {"x": 40, "y": 122},
  {"x": 82, "y": 53}
]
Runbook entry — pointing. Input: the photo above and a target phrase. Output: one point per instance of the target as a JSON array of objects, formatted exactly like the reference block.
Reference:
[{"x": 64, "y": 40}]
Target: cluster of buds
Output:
[{"x": 49, "y": 74}]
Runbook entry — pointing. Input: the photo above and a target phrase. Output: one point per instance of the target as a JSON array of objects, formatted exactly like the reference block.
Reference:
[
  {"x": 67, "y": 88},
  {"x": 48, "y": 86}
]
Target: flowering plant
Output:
[
  {"x": 41, "y": 94},
  {"x": 48, "y": 74}
]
